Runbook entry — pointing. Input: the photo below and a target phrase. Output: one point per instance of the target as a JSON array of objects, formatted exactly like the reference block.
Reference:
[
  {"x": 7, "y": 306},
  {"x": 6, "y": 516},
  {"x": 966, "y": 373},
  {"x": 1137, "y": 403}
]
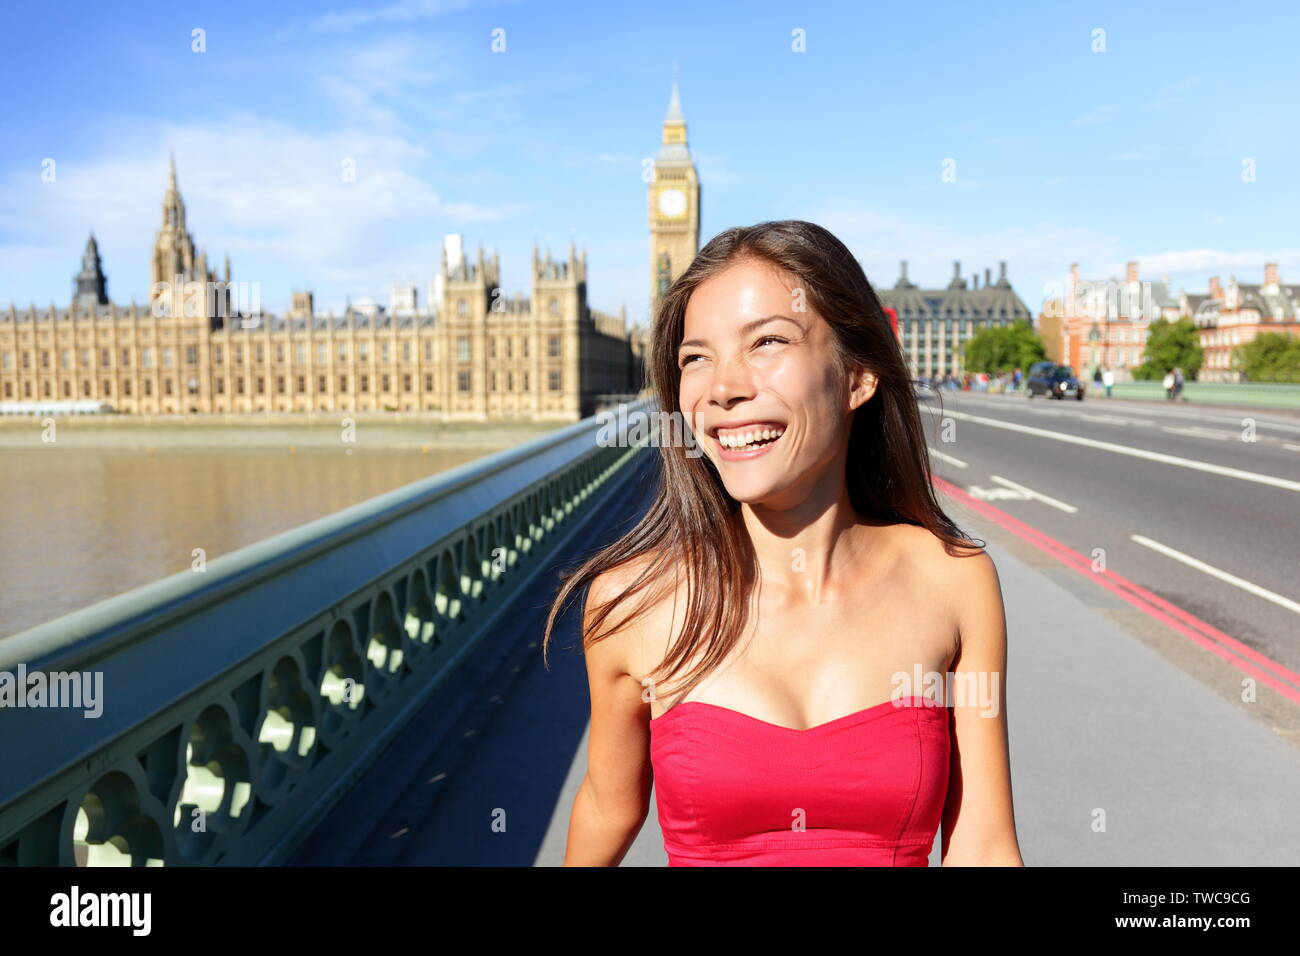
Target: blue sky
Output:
[{"x": 1061, "y": 153}]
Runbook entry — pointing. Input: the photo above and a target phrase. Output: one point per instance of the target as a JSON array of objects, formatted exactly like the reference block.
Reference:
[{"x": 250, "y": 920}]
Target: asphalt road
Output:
[
  {"x": 1200, "y": 506},
  {"x": 1130, "y": 745}
]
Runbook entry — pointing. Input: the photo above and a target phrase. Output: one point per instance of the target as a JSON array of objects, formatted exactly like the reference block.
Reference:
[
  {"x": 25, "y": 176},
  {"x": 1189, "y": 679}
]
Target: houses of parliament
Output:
[{"x": 476, "y": 354}]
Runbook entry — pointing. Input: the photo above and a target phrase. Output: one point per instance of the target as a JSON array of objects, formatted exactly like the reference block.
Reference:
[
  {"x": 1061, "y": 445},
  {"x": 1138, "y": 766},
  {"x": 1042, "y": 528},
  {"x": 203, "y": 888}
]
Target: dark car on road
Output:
[
  {"x": 1054, "y": 381},
  {"x": 1036, "y": 380}
]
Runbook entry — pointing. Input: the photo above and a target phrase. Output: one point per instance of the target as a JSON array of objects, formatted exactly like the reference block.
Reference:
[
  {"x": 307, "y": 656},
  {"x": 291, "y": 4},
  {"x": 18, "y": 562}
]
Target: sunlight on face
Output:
[{"x": 754, "y": 353}]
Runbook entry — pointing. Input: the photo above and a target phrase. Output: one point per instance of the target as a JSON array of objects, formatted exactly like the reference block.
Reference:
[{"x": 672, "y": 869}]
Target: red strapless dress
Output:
[{"x": 866, "y": 789}]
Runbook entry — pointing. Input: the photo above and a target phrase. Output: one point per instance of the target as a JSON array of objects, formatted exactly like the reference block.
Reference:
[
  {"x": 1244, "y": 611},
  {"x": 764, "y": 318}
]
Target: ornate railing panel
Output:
[{"x": 238, "y": 703}]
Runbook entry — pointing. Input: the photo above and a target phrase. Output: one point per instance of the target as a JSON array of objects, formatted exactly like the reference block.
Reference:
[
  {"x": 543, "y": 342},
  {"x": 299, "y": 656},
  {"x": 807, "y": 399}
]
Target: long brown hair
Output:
[{"x": 689, "y": 528}]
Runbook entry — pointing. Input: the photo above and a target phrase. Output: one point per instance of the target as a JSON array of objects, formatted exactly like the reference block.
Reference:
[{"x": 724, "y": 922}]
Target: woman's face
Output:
[{"x": 756, "y": 360}]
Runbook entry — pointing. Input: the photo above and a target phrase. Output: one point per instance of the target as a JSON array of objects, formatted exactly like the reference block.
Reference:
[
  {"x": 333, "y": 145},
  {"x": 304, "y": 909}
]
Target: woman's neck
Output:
[{"x": 810, "y": 553}]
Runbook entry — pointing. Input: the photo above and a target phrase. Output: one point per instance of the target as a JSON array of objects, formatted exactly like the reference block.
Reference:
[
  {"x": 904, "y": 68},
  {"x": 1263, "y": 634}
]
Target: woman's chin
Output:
[{"x": 753, "y": 492}]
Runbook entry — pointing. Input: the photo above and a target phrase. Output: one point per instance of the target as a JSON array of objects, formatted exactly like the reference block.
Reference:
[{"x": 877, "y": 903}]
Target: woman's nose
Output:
[{"x": 731, "y": 379}]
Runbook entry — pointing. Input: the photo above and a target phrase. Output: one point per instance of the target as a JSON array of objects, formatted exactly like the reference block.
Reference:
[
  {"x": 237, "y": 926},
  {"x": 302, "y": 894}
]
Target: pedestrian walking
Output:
[
  {"x": 1168, "y": 383},
  {"x": 1178, "y": 383},
  {"x": 1108, "y": 379},
  {"x": 728, "y": 770}
]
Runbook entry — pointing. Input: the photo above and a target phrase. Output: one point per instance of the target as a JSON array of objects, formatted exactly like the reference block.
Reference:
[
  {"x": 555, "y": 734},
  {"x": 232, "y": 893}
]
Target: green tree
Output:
[
  {"x": 1001, "y": 348},
  {"x": 1170, "y": 344},
  {"x": 1269, "y": 357}
]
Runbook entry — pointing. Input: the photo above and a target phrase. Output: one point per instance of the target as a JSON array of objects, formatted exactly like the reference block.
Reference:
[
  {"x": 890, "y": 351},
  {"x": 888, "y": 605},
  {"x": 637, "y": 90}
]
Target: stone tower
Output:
[
  {"x": 173, "y": 248},
  {"x": 674, "y": 205},
  {"x": 182, "y": 270},
  {"x": 560, "y": 319},
  {"x": 90, "y": 286},
  {"x": 469, "y": 291}
]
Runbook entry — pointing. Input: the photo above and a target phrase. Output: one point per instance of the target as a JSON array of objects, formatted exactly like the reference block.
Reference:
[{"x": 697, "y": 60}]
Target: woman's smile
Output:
[
  {"x": 748, "y": 441},
  {"x": 753, "y": 444}
]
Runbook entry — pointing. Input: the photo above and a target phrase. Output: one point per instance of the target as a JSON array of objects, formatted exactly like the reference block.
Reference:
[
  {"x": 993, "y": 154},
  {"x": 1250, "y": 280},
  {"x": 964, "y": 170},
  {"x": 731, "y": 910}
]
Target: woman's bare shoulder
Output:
[
  {"x": 960, "y": 583},
  {"x": 965, "y": 578},
  {"x": 933, "y": 551},
  {"x": 618, "y": 583},
  {"x": 639, "y": 625},
  {"x": 955, "y": 570}
]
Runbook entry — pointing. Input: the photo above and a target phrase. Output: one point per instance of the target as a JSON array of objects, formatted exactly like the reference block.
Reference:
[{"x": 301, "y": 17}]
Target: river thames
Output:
[{"x": 107, "y": 507}]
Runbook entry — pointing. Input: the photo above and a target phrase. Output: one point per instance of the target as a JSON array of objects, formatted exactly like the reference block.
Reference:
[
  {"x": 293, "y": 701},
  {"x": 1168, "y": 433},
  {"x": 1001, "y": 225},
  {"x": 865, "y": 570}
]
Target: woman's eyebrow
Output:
[{"x": 747, "y": 327}]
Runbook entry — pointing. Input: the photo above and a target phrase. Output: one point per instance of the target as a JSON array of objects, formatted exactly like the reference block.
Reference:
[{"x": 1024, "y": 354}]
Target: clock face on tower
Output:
[{"x": 672, "y": 202}]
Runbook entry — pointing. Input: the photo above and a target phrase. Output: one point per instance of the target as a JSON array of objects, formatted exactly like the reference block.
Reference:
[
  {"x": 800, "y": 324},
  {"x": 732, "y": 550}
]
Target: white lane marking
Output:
[
  {"x": 1261, "y": 421},
  {"x": 1205, "y": 466},
  {"x": 995, "y": 494},
  {"x": 1116, "y": 420},
  {"x": 948, "y": 458},
  {"x": 1260, "y": 416},
  {"x": 1245, "y": 585},
  {"x": 1104, "y": 419},
  {"x": 1107, "y": 419},
  {"x": 1045, "y": 499},
  {"x": 1199, "y": 432},
  {"x": 1292, "y": 447}
]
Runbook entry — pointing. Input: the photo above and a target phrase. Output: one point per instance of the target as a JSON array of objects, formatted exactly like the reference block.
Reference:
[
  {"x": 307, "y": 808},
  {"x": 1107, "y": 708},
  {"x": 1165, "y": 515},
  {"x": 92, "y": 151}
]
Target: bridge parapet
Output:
[{"x": 238, "y": 703}]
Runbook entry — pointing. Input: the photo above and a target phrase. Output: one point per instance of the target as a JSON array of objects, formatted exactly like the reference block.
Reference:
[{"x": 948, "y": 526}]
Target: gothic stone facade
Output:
[{"x": 480, "y": 355}]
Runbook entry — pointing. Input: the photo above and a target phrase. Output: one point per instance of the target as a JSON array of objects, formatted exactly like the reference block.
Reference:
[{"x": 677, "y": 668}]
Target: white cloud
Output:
[
  {"x": 386, "y": 84},
  {"x": 273, "y": 193},
  {"x": 1142, "y": 154},
  {"x": 713, "y": 169},
  {"x": 1171, "y": 94},
  {"x": 403, "y": 11},
  {"x": 1098, "y": 114},
  {"x": 275, "y": 197},
  {"x": 1036, "y": 256},
  {"x": 1248, "y": 265}
]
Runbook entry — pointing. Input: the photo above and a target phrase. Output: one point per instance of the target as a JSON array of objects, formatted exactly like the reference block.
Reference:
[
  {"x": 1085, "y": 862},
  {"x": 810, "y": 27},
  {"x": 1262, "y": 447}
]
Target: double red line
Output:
[{"x": 1264, "y": 669}]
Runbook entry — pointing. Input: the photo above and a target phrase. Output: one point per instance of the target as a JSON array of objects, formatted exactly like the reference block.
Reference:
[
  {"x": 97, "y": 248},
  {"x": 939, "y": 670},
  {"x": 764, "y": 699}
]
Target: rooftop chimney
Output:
[
  {"x": 903, "y": 281},
  {"x": 1270, "y": 276},
  {"x": 1216, "y": 290},
  {"x": 957, "y": 281},
  {"x": 1131, "y": 271},
  {"x": 988, "y": 277}
]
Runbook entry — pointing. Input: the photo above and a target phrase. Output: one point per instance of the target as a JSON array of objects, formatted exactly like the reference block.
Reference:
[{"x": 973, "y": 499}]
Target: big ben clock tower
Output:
[{"x": 674, "y": 206}]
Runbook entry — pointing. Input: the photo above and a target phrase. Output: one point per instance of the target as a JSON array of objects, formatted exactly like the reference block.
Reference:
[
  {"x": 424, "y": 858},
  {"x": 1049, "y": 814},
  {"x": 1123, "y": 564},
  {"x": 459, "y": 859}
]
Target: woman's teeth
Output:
[{"x": 743, "y": 439}]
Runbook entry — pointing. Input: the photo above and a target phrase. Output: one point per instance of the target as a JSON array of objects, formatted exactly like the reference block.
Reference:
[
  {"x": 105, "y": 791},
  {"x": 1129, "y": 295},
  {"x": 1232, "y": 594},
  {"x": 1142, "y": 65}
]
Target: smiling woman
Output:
[{"x": 776, "y": 716}]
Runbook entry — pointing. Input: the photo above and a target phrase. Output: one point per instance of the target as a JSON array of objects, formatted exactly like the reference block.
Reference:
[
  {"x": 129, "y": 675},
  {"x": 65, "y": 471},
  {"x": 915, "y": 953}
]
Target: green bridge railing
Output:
[{"x": 239, "y": 703}]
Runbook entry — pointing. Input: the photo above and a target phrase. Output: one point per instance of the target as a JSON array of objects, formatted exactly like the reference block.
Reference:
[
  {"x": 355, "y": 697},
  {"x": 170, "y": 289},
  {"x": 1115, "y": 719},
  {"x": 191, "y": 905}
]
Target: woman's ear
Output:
[{"x": 863, "y": 385}]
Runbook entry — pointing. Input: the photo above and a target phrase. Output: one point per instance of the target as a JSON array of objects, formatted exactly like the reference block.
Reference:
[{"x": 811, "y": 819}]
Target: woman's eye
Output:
[{"x": 686, "y": 359}]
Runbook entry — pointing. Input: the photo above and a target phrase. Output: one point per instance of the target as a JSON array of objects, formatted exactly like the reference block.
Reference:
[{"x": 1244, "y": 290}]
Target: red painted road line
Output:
[
  {"x": 1209, "y": 637},
  {"x": 1062, "y": 551}
]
